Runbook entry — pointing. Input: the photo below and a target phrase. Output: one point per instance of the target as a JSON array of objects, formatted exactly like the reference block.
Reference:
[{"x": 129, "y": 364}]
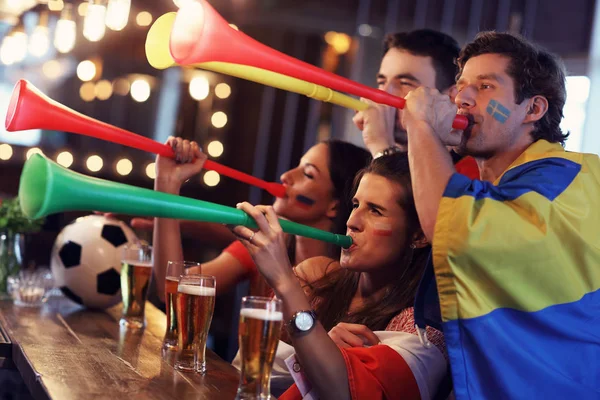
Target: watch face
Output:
[{"x": 304, "y": 321}]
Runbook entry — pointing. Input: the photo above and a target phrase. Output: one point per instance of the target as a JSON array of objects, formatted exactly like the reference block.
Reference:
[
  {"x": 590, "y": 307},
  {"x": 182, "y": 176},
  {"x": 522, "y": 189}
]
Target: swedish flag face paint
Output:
[{"x": 497, "y": 111}]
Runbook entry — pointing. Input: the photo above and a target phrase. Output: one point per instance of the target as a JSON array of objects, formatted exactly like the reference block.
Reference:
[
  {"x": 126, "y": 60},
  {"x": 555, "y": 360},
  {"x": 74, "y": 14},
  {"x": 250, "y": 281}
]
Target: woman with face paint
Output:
[
  {"x": 315, "y": 189},
  {"x": 364, "y": 301}
]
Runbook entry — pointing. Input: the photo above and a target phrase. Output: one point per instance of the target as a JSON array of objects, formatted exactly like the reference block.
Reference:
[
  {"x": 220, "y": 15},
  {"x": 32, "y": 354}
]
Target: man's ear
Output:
[
  {"x": 452, "y": 91},
  {"x": 537, "y": 106},
  {"x": 419, "y": 240},
  {"x": 333, "y": 209}
]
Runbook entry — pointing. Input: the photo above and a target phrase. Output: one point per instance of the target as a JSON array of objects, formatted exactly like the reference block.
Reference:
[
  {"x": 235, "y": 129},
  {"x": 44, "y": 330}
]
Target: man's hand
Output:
[
  {"x": 427, "y": 108},
  {"x": 377, "y": 125}
]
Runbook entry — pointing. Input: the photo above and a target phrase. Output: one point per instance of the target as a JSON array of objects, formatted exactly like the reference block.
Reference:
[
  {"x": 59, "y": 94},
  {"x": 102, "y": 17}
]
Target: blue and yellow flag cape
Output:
[{"x": 517, "y": 265}]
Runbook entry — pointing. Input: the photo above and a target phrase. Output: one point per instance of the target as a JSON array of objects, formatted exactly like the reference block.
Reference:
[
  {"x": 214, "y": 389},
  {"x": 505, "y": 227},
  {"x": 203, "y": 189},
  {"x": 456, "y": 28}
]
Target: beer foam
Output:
[
  {"x": 196, "y": 290},
  {"x": 173, "y": 278},
  {"x": 138, "y": 263},
  {"x": 265, "y": 315}
]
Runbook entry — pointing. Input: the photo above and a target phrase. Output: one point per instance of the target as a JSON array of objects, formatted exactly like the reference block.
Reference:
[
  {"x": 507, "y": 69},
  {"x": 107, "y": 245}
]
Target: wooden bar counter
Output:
[{"x": 63, "y": 351}]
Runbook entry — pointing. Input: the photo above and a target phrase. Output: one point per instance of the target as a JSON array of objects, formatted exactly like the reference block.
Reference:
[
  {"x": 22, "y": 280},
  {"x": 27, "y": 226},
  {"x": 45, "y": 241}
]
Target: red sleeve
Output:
[
  {"x": 468, "y": 167},
  {"x": 376, "y": 373},
  {"x": 238, "y": 250}
]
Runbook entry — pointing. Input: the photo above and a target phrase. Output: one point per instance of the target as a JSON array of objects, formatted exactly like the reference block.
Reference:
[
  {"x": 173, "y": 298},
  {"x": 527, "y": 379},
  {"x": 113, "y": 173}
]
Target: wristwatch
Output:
[{"x": 302, "y": 322}]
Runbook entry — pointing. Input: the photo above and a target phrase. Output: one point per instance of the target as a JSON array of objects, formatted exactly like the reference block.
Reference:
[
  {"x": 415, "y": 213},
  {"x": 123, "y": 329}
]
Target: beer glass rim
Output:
[
  {"x": 196, "y": 277},
  {"x": 184, "y": 263},
  {"x": 141, "y": 248},
  {"x": 260, "y": 300}
]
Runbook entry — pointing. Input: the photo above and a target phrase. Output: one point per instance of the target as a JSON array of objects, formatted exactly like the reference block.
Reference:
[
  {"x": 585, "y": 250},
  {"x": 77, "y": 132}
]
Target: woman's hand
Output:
[
  {"x": 267, "y": 246},
  {"x": 171, "y": 173},
  {"x": 352, "y": 335}
]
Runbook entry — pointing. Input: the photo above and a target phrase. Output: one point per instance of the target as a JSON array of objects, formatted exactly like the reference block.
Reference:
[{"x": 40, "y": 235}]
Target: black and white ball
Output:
[{"x": 86, "y": 260}]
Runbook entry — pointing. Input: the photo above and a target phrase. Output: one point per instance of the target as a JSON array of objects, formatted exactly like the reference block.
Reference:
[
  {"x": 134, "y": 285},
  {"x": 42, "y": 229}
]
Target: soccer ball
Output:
[{"x": 86, "y": 260}]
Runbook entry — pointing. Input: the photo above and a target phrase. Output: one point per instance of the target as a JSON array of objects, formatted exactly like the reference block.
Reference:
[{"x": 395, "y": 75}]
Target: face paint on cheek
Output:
[
  {"x": 497, "y": 111},
  {"x": 304, "y": 202},
  {"x": 382, "y": 229}
]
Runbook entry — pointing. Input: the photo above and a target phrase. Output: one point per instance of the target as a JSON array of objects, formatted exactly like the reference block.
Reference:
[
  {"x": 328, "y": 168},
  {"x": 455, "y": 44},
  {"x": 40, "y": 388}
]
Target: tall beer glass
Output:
[
  {"x": 174, "y": 270},
  {"x": 195, "y": 306},
  {"x": 136, "y": 272},
  {"x": 260, "y": 326}
]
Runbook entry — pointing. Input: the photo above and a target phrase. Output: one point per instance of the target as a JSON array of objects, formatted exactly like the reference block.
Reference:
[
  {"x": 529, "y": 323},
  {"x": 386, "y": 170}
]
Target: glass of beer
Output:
[
  {"x": 174, "y": 270},
  {"x": 195, "y": 305},
  {"x": 261, "y": 319},
  {"x": 136, "y": 271}
]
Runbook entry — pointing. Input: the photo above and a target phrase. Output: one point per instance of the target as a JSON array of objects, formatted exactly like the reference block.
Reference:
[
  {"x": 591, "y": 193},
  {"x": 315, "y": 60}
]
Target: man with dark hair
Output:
[
  {"x": 516, "y": 254},
  {"x": 422, "y": 57}
]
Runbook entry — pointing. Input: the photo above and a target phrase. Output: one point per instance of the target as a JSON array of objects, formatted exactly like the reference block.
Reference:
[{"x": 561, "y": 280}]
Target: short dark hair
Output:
[
  {"x": 442, "y": 49},
  {"x": 535, "y": 72}
]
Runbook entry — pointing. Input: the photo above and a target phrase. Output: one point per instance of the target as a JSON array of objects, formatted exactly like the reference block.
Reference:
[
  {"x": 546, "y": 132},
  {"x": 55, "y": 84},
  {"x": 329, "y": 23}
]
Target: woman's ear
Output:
[
  {"x": 419, "y": 240},
  {"x": 333, "y": 209}
]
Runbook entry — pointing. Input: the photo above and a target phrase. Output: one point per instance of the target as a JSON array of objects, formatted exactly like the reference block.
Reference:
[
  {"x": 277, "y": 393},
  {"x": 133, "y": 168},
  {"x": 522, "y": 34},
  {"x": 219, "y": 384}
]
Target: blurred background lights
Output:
[
  {"x": 65, "y": 159},
  {"x": 140, "y": 90},
  {"x": 339, "y": 41},
  {"x": 219, "y": 119},
  {"x": 94, "y": 22},
  {"x": 215, "y": 148},
  {"x": 151, "y": 171},
  {"x": 212, "y": 178},
  {"x": 94, "y": 163},
  {"x": 55, "y": 5},
  {"x": 66, "y": 30},
  {"x": 103, "y": 90},
  {"x": 82, "y": 9},
  {"x": 199, "y": 88},
  {"x": 87, "y": 91},
  {"x": 121, "y": 86},
  {"x": 143, "y": 18},
  {"x": 86, "y": 70},
  {"x": 117, "y": 14},
  {"x": 222, "y": 90},
  {"x": 124, "y": 167},
  {"x": 6, "y": 151},
  {"x": 39, "y": 42},
  {"x": 32, "y": 151},
  {"x": 51, "y": 69}
]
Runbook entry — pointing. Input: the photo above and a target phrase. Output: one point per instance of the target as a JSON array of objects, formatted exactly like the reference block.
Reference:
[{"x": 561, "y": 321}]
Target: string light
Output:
[
  {"x": 124, "y": 167},
  {"x": 87, "y": 91},
  {"x": 140, "y": 90},
  {"x": 94, "y": 163},
  {"x": 222, "y": 90},
  {"x": 65, "y": 159},
  {"x": 55, "y": 5},
  {"x": 32, "y": 151},
  {"x": 19, "y": 44},
  {"x": 86, "y": 70},
  {"x": 94, "y": 22},
  {"x": 151, "y": 170},
  {"x": 219, "y": 119},
  {"x": 117, "y": 14},
  {"x": 103, "y": 90},
  {"x": 6, "y": 151},
  {"x": 211, "y": 178},
  {"x": 215, "y": 148},
  {"x": 66, "y": 31},
  {"x": 199, "y": 88},
  {"x": 39, "y": 42},
  {"x": 51, "y": 69},
  {"x": 144, "y": 18}
]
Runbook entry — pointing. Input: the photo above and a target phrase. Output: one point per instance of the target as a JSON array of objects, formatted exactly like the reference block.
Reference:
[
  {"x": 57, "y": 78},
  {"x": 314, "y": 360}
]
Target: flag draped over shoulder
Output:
[{"x": 517, "y": 266}]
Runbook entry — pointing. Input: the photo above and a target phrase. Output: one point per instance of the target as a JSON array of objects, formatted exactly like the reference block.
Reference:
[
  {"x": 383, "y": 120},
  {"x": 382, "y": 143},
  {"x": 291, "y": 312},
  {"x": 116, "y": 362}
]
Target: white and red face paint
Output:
[{"x": 382, "y": 229}]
